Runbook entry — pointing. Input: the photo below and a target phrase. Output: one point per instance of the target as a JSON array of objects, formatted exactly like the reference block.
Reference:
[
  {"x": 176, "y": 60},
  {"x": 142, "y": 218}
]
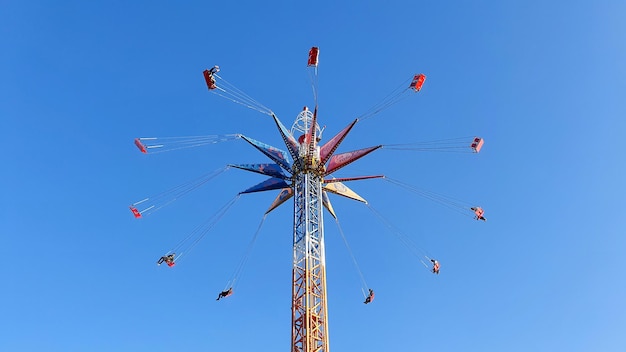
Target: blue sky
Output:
[{"x": 544, "y": 84}]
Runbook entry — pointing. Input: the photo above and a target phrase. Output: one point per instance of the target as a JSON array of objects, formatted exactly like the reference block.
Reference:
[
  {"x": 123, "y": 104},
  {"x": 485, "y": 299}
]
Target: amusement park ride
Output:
[{"x": 308, "y": 179}]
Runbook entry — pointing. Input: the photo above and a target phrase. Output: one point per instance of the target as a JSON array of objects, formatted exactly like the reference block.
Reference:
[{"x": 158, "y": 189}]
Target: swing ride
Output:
[{"x": 304, "y": 172}]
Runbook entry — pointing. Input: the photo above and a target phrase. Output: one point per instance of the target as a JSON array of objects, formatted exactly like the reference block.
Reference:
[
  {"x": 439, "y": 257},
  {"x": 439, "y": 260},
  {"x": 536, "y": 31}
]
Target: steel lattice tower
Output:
[{"x": 309, "y": 310}]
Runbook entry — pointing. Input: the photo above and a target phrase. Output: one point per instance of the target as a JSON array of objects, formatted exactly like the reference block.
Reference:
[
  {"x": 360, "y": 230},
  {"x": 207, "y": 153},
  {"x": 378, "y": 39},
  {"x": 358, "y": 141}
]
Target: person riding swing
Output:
[
  {"x": 370, "y": 297},
  {"x": 168, "y": 259},
  {"x": 225, "y": 294}
]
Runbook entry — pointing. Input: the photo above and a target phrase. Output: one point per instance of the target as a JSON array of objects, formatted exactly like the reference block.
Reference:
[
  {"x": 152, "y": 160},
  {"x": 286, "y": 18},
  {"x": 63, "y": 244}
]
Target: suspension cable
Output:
[
  {"x": 356, "y": 265},
  {"x": 392, "y": 98},
  {"x": 210, "y": 224},
  {"x": 454, "y": 204},
  {"x": 419, "y": 252},
  {"x": 234, "y": 94},
  {"x": 455, "y": 145},
  {"x": 160, "y": 200},
  {"x": 244, "y": 260},
  {"x": 156, "y": 145}
]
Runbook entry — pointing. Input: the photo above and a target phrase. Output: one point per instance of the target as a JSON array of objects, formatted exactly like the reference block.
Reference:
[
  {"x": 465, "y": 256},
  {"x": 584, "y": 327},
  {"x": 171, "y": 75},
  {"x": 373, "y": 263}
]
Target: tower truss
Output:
[{"x": 309, "y": 310}]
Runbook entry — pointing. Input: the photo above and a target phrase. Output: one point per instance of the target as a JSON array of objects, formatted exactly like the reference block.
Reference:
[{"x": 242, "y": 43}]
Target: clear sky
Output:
[{"x": 544, "y": 83}]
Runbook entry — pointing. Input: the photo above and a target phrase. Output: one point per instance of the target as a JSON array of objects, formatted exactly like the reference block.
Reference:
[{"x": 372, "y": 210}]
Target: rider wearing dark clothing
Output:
[
  {"x": 478, "y": 211},
  {"x": 369, "y": 298},
  {"x": 435, "y": 266},
  {"x": 224, "y": 294},
  {"x": 168, "y": 259}
]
